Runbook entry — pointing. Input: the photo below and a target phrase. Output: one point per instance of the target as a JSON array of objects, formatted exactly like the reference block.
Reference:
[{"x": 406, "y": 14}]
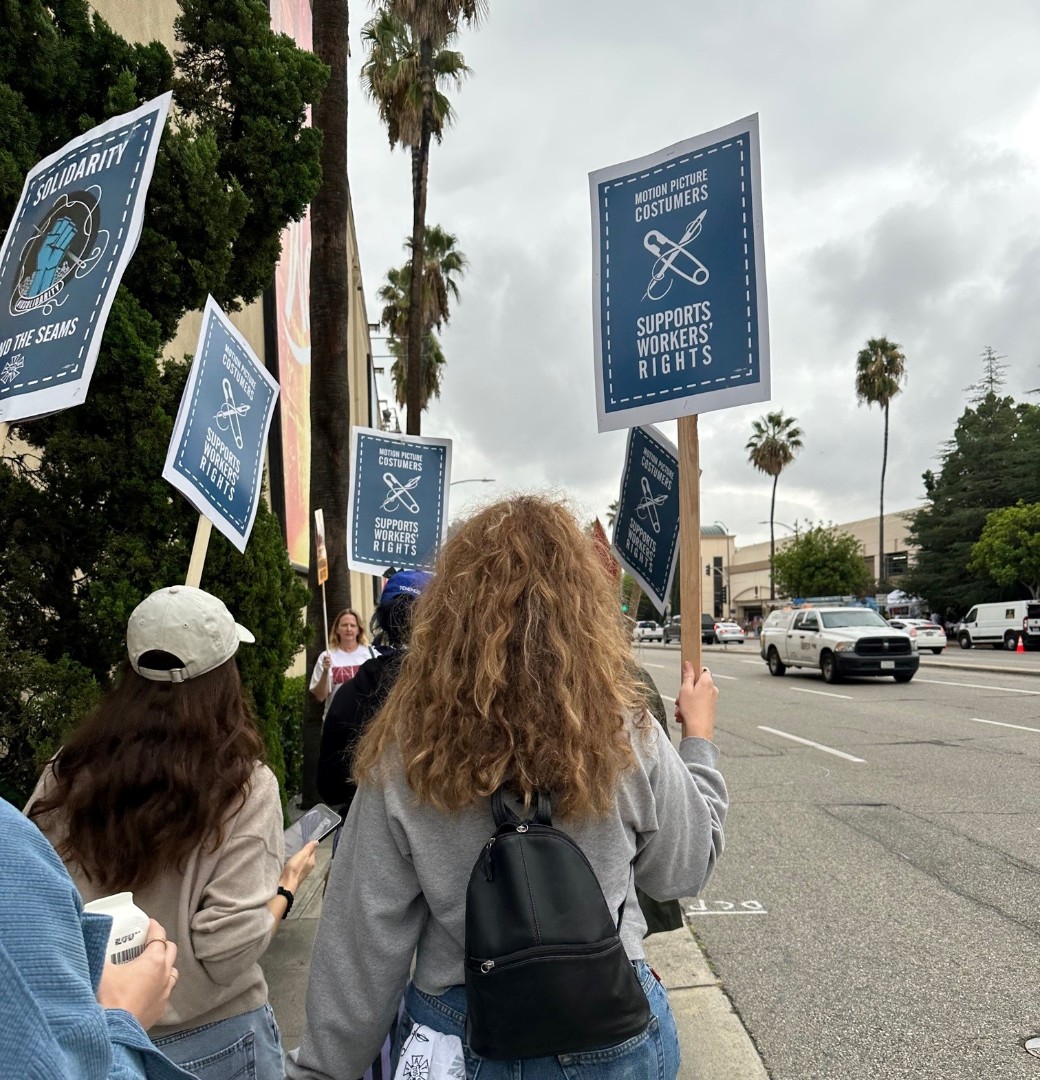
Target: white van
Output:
[{"x": 998, "y": 625}]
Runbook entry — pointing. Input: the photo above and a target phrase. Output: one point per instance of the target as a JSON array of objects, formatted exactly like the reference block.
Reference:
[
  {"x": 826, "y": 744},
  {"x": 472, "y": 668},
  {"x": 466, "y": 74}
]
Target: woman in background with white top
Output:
[
  {"x": 162, "y": 792},
  {"x": 339, "y": 663}
]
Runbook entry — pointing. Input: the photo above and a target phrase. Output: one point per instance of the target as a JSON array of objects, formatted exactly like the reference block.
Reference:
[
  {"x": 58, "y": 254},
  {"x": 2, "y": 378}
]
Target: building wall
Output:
[
  {"x": 152, "y": 20},
  {"x": 749, "y": 593}
]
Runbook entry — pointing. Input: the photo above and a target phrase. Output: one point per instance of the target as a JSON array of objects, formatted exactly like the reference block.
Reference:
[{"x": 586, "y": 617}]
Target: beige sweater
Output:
[{"x": 215, "y": 910}]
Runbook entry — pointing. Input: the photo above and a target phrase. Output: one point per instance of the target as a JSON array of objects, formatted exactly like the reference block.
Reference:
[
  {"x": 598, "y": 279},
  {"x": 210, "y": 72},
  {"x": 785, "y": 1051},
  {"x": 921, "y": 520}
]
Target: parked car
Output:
[
  {"x": 839, "y": 641},
  {"x": 727, "y": 633},
  {"x": 999, "y": 625},
  {"x": 927, "y": 634},
  {"x": 647, "y": 630},
  {"x": 672, "y": 629},
  {"x": 707, "y": 628}
]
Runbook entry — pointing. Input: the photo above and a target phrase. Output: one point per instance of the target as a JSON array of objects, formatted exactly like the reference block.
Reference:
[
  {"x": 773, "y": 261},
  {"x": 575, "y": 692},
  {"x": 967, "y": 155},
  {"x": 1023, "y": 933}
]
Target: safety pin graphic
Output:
[
  {"x": 668, "y": 251},
  {"x": 399, "y": 493},
  {"x": 647, "y": 506},
  {"x": 230, "y": 415}
]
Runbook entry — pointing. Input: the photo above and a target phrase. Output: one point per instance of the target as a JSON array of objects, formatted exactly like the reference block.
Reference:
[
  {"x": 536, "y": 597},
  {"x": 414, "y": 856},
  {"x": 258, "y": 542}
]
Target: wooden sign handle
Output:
[
  {"x": 690, "y": 540},
  {"x": 198, "y": 551}
]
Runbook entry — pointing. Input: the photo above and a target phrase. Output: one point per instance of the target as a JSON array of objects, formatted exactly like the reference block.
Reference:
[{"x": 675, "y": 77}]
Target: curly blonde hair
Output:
[{"x": 520, "y": 670}]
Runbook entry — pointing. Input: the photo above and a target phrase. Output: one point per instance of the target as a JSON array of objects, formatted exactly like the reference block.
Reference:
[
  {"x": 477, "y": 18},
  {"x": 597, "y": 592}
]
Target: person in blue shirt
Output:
[{"x": 66, "y": 1013}]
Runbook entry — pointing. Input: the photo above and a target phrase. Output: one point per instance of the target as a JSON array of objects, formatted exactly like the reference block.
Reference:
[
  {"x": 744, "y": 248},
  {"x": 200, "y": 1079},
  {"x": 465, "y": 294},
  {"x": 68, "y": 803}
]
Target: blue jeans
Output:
[
  {"x": 245, "y": 1047},
  {"x": 651, "y": 1055}
]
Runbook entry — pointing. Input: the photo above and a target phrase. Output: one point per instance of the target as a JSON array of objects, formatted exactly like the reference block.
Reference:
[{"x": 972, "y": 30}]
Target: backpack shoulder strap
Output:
[{"x": 504, "y": 816}]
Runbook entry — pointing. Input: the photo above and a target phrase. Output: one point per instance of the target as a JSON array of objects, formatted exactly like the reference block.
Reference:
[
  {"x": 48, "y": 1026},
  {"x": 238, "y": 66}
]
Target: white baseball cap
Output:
[{"x": 190, "y": 624}]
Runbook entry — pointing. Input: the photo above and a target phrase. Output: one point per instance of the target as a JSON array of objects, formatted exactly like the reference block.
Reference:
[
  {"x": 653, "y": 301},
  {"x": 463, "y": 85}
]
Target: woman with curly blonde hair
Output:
[{"x": 519, "y": 674}]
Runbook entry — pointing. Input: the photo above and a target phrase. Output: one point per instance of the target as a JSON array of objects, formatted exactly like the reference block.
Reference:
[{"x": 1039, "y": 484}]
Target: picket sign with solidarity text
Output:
[
  {"x": 216, "y": 454},
  {"x": 646, "y": 527},
  {"x": 679, "y": 304},
  {"x": 74, "y": 230},
  {"x": 398, "y": 508}
]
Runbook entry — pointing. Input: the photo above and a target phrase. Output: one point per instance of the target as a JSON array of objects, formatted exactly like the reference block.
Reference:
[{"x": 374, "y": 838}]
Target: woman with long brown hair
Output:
[
  {"x": 163, "y": 792},
  {"x": 519, "y": 676}
]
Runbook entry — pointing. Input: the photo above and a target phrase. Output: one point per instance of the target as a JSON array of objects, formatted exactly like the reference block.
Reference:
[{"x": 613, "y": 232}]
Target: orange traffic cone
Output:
[{"x": 1021, "y": 647}]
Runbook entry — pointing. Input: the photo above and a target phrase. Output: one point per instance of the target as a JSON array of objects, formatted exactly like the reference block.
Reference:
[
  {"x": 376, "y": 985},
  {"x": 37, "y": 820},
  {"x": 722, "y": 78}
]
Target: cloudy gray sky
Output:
[{"x": 901, "y": 193}]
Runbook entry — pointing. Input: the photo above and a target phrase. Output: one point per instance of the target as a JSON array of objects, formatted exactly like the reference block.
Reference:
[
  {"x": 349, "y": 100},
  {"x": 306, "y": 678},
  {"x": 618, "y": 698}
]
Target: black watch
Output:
[{"x": 282, "y": 891}]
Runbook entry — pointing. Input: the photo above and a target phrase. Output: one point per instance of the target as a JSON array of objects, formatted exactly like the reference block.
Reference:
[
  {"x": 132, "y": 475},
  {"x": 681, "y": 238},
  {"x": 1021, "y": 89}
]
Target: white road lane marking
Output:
[
  {"x": 663, "y": 667},
  {"x": 815, "y": 745},
  {"x": 821, "y": 693},
  {"x": 757, "y": 663},
  {"x": 978, "y": 686},
  {"x": 999, "y": 723}
]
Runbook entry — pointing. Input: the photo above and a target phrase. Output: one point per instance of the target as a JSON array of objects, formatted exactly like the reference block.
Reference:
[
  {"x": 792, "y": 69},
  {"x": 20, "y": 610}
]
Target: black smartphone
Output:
[{"x": 316, "y": 824}]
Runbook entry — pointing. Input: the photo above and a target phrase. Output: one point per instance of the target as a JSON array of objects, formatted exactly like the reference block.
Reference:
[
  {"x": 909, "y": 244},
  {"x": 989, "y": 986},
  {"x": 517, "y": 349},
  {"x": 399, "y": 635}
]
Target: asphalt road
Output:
[{"x": 877, "y": 910}]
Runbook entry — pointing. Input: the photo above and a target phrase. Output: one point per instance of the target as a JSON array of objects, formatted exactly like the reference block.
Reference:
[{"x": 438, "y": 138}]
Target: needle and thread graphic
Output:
[
  {"x": 668, "y": 251},
  {"x": 230, "y": 414},
  {"x": 647, "y": 506},
  {"x": 400, "y": 493}
]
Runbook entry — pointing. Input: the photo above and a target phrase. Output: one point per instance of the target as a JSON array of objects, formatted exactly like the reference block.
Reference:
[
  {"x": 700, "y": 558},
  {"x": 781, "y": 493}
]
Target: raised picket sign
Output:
[
  {"x": 679, "y": 291},
  {"x": 216, "y": 454},
  {"x": 74, "y": 230},
  {"x": 646, "y": 527},
  {"x": 398, "y": 508}
]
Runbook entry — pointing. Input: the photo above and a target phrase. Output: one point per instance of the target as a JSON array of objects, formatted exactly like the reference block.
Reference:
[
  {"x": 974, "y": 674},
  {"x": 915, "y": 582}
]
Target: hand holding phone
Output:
[{"x": 316, "y": 824}]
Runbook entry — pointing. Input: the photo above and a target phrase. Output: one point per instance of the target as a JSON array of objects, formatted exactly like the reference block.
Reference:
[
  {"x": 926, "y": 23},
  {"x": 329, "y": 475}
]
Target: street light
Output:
[
  {"x": 789, "y": 528},
  {"x": 474, "y": 480}
]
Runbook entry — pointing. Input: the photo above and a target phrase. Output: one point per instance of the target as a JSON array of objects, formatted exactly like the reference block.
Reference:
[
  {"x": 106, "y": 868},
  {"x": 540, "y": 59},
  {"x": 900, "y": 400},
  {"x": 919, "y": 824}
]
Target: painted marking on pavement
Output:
[
  {"x": 979, "y": 686},
  {"x": 821, "y": 693},
  {"x": 699, "y": 906},
  {"x": 663, "y": 667},
  {"x": 716, "y": 675},
  {"x": 815, "y": 745},
  {"x": 999, "y": 723},
  {"x": 757, "y": 663}
]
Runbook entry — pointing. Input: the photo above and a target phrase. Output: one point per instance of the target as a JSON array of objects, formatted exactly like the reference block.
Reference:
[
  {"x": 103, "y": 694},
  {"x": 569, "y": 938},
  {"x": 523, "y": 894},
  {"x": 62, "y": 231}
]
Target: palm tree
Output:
[
  {"x": 432, "y": 361},
  {"x": 330, "y": 340},
  {"x": 774, "y": 441},
  {"x": 880, "y": 373},
  {"x": 443, "y": 266},
  {"x": 415, "y": 46}
]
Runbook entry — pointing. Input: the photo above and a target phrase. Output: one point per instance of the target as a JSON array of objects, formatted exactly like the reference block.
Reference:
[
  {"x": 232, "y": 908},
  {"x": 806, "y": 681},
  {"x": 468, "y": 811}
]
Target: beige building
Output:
[
  {"x": 743, "y": 572},
  {"x": 277, "y": 328}
]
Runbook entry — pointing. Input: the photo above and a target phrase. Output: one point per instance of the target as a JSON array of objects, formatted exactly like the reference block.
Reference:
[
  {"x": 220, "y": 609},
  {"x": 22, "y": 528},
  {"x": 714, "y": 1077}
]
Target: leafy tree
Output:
[
  {"x": 430, "y": 25},
  {"x": 1009, "y": 548},
  {"x": 880, "y": 372},
  {"x": 775, "y": 439},
  {"x": 992, "y": 462},
  {"x": 822, "y": 562},
  {"x": 90, "y": 526}
]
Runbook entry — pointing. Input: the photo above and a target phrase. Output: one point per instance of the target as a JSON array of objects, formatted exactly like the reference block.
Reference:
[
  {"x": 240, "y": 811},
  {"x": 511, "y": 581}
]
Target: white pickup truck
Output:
[{"x": 838, "y": 641}]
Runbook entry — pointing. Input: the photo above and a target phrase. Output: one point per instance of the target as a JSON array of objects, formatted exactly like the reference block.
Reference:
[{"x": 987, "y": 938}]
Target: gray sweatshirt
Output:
[{"x": 398, "y": 889}]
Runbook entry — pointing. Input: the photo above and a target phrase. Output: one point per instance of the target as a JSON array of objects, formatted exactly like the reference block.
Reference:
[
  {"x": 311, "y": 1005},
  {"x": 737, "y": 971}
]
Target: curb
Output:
[{"x": 715, "y": 1044}]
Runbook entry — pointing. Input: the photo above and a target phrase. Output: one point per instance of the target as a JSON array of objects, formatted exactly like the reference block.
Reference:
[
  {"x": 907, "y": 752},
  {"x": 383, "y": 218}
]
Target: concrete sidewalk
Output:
[{"x": 714, "y": 1044}]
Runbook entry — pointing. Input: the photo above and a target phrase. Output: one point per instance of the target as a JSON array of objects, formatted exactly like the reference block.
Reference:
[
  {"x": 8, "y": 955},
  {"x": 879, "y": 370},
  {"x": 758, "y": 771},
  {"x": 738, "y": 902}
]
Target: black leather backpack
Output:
[{"x": 546, "y": 972}]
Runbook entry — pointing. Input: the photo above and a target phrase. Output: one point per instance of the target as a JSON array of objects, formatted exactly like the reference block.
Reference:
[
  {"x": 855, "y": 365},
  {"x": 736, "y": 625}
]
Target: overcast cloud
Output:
[{"x": 901, "y": 181}]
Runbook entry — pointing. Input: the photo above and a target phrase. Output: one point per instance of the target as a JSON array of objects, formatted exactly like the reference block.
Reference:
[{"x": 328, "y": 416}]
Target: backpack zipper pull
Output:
[
  {"x": 488, "y": 868},
  {"x": 487, "y": 965}
]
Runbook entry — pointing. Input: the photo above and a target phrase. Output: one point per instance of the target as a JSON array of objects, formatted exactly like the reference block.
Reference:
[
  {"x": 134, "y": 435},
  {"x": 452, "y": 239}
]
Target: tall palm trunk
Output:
[
  {"x": 881, "y": 510},
  {"x": 330, "y": 384},
  {"x": 772, "y": 540},
  {"x": 420, "y": 173}
]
